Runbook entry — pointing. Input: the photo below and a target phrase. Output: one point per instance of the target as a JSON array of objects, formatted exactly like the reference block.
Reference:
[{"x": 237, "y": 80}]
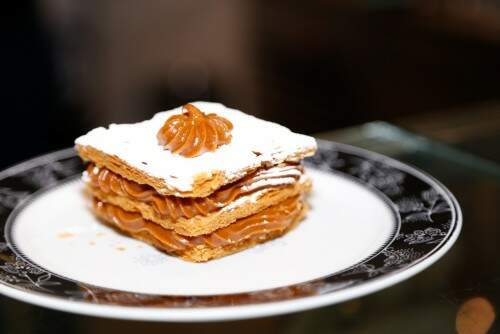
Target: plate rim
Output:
[{"x": 221, "y": 313}]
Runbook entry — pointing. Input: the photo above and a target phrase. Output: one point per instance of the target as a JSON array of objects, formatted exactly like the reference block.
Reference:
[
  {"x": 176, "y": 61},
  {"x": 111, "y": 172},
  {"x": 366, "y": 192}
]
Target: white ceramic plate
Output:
[{"x": 373, "y": 222}]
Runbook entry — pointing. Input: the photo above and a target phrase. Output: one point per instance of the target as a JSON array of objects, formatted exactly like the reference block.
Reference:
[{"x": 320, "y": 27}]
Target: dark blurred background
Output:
[{"x": 68, "y": 66}]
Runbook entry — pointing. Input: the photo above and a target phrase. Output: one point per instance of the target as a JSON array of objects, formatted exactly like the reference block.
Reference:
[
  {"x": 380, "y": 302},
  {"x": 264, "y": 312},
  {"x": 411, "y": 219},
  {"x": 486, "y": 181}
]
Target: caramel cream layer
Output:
[
  {"x": 175, "y": 207},
  {"x": 273, "y": 219}
]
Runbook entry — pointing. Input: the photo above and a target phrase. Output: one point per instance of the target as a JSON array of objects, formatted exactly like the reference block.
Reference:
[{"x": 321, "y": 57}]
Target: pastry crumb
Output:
[{"x": 120, "y": 248}]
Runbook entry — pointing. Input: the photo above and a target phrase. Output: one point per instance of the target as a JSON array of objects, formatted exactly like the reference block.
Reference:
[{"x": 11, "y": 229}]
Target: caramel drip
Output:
[
  {"x": 193, "y": 132},
  {"x": 273, "y": 219},
  {"x": 176, "y": 207}
]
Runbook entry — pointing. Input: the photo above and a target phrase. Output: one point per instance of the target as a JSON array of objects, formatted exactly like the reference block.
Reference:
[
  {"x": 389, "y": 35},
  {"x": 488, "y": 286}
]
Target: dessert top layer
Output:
[{"x": 254, "y": 143}]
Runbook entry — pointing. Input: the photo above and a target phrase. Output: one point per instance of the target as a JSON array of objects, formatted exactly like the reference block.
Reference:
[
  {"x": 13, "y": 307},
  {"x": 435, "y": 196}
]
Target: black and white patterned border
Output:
[{"x": 428, "y": 216}]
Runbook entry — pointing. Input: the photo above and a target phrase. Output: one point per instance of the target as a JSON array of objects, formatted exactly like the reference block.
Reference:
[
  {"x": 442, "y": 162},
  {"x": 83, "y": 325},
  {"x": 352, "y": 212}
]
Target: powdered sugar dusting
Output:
[
  {"x": 252, "y": 198},
  {"x": 137, "y": 145},
  {"x": 85, "y": 177},
  {"x": 269, "y": 182}
]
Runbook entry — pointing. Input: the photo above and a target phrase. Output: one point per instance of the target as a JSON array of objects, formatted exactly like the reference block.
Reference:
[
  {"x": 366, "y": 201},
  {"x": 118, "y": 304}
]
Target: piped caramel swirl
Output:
[
  {"x": 176, "y": 207},
  {"x": 274, "y": 219},
  {"x": 193, "y": 132}
]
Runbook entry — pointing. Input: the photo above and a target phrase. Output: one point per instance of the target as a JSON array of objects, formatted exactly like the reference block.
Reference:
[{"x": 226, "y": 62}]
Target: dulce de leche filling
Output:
[
  {"x": 175, "y": 207},
  {"x": 276, "y": 218},
  {"x": 193, "y": 132}
]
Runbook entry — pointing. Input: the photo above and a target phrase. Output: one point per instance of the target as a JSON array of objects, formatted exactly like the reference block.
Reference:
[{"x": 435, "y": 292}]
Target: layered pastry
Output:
[{"x": 200, "y": 181}]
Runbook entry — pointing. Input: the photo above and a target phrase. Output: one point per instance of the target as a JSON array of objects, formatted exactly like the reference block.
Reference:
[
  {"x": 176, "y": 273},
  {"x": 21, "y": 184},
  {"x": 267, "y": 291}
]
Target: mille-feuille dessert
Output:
[{"x": 200, "y": 181}]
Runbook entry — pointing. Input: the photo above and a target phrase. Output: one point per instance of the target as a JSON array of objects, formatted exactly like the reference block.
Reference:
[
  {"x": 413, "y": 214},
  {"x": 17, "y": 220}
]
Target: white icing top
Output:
[{"x": 137, "y": 145}]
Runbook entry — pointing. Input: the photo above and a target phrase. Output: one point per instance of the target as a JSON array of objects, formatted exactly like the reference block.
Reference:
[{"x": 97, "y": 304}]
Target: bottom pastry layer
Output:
[{"x": 265, "y": 225}]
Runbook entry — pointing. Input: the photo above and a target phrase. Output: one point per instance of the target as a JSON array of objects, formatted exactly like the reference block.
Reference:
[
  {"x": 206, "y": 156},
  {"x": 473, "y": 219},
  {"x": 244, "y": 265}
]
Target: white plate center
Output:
[{"x": 346, "y": 224}]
